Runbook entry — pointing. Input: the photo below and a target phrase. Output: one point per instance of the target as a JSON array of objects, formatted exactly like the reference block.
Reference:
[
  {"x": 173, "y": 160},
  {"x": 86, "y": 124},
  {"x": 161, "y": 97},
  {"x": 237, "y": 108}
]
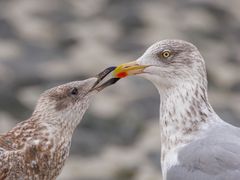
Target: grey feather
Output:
[{"x": 215, "y": 157}]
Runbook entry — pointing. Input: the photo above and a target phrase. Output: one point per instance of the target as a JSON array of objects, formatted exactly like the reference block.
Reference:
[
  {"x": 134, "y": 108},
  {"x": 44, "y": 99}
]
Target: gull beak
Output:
[
  {"x": 131, "y": 68},
  {"x": 100, "y": 78}
]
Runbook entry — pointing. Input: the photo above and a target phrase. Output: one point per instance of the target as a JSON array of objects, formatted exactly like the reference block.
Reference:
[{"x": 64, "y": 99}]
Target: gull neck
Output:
[{"x": 184, "y": 111}]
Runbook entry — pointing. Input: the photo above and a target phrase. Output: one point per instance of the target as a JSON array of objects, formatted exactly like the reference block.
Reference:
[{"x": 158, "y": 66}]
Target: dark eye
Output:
[
  {"x": 165, "y": 54},
  {"x": 74, "y": 91}
]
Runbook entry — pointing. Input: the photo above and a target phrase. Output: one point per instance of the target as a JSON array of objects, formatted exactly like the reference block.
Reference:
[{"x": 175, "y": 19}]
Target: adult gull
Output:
[{"x": 196, "y": 144}]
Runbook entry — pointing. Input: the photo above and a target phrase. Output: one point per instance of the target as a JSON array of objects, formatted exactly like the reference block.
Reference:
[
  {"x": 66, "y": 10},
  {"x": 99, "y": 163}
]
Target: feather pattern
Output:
[
  {"x": 38, "y": 147},
  {"x": 196, "y": 144}
]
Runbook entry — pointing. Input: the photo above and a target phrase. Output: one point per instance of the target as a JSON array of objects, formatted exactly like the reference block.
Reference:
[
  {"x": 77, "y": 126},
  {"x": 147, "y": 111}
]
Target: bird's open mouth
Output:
[{"x": 97, "y": 86}]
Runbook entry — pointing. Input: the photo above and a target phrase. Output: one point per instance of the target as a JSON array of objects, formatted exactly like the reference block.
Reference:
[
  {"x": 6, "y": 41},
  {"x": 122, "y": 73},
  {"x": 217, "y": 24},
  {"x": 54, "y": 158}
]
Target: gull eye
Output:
[
  {"x": 74, "y": 91},
  {"x": 165, "y": 54}
]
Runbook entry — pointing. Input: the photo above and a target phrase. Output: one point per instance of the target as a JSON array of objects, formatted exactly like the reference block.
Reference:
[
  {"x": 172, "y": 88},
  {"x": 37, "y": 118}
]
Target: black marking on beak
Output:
[
  {"x": 101, "y": 76},
  {"x": 107, "y": 83}
]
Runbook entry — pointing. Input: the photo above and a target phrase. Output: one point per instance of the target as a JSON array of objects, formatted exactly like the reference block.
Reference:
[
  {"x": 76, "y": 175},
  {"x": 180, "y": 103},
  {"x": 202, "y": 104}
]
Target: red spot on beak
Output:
[{"x": 122, "y": 75}]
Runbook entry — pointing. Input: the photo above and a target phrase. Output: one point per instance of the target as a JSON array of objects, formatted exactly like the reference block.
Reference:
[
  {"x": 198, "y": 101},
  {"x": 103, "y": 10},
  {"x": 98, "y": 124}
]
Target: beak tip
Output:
[{"x": 101, "y": 76}]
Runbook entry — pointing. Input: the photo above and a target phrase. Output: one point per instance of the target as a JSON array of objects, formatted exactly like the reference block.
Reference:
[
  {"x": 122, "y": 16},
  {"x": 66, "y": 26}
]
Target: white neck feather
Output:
[
  {"x": 184, "y": 114},
  {"x": 184, "y": 110}
]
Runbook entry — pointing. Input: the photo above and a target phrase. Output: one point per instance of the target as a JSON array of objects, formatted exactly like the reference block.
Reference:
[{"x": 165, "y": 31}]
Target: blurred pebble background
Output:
[{"x": 45, "y": 43}]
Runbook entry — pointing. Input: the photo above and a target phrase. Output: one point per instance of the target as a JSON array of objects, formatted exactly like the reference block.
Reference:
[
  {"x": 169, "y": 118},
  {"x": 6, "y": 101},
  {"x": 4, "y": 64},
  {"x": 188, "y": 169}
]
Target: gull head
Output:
[
  {"x": 167, "y": 63},
  {"x": 65, "y": 103},
  {"x": 68, "y": 102},
  {"x": 69, "y": 96}
]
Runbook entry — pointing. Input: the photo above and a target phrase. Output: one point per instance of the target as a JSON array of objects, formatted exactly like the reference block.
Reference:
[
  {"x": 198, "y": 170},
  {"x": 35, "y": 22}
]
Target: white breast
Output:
[{"x": 170, "y": 160}]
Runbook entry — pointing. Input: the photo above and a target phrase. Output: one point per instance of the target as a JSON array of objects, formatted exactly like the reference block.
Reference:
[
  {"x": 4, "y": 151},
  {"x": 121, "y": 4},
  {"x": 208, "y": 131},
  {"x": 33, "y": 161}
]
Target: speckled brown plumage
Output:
[{"x": 38, "y": 147}]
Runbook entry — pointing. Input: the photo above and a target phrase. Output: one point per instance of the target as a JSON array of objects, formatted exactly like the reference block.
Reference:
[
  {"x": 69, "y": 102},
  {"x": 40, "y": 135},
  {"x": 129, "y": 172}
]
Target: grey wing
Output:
[{"x": 216, "y": 157}]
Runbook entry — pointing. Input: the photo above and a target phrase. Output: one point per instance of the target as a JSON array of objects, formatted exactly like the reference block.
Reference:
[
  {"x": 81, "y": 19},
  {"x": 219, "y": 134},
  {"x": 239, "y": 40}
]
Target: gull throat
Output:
[
  {"x": 184, "y": 117},
  {"x": 184, "y": 112}
]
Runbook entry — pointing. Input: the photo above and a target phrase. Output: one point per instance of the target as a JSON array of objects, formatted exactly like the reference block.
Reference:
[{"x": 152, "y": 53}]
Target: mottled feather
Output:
[
  {"x": 216, "y": 157},
  {"x": 38, "y": 147}
]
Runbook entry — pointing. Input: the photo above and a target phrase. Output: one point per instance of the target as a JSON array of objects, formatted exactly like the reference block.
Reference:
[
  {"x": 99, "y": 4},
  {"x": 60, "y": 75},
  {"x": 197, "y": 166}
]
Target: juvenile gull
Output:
[
  {"x": 37, "y": 148},
  {"x": 196, "y": 144}
]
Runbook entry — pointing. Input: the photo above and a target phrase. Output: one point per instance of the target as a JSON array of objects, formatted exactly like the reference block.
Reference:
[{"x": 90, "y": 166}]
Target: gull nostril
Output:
[{"x": 126, "y": 67}]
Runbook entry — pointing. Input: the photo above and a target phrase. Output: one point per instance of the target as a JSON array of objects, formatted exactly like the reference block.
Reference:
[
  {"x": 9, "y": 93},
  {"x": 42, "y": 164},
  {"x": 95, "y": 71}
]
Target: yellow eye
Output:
[{"x": 165, "y": 54}]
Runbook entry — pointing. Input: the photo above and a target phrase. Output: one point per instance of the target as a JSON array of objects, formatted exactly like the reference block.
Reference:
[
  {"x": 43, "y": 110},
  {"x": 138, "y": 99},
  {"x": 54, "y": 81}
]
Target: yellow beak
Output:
[{"x": 131, "y": 68}]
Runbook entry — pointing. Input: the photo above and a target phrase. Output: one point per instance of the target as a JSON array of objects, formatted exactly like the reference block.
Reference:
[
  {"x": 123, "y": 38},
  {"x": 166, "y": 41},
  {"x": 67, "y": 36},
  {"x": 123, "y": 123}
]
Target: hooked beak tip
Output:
[{"x": 100, "y": 78}]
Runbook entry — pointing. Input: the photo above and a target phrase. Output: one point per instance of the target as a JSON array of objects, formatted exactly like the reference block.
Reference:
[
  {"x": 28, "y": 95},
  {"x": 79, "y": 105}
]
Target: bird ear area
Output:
[{"x": 63, "y": 97}]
